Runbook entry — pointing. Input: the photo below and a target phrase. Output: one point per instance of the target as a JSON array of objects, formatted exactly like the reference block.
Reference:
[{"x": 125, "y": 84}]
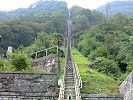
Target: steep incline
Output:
[{"x": 72, "y": 90}]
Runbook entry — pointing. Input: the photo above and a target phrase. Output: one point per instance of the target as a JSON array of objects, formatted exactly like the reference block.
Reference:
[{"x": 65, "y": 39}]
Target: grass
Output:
[
  {"x": 79, "y": 58},
  {"x": 62, "y": 63},
  {"x": 93, "y": 81}
]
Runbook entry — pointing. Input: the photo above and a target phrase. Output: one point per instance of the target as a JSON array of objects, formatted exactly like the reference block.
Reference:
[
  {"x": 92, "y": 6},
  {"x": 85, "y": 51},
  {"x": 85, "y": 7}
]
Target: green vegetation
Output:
[
  {"x": 109, "y": 46},
  {"x": 20, "y": 61},
  {"x": 43, "y": 41},
  {"x": 47, "y": 17},
  {"x": 79, "y": 58},
  {"x": 62, "y": 63},
  {"x": 93, "y": 82},
  {"x": 6, "y": 66},
  {"x": 83, "y": 19}
]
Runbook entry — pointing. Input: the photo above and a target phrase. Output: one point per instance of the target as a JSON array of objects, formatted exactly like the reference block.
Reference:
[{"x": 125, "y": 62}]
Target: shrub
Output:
[
  {"x": 107, "y": 66},
  {"x": 20, "y": 61},
  {"x": 99, "y": 52},
  {"x": 1, "y": 65}
]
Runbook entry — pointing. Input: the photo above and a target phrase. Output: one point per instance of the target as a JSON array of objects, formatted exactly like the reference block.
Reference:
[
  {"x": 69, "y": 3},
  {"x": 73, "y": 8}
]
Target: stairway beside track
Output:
[
  {"x": 69, "y": 92},
  {"x": 70, "y": 88}
]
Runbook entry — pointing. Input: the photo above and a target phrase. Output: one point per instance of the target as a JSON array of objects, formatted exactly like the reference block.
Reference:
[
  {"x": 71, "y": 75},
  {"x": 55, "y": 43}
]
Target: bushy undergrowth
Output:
[
  {"x": 106, "y": 66},
  {"x": 20, "y": 61}
]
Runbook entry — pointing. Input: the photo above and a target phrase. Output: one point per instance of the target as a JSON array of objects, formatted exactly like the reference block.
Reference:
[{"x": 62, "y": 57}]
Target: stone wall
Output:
[
  {"x": 101, "y": 97},
  {"x": 27, "y": 98},
  {"x": 28, "y": 85},
  {"x": 49, "y": 63},
  {"x": 126, "y": 88}
]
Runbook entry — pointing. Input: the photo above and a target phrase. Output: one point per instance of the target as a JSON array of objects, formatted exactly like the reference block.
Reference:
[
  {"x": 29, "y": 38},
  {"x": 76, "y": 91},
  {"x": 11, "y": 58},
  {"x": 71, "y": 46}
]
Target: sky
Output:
[
  {"x": 7, "y": 5},
  {"x": 91, "y": 4}
]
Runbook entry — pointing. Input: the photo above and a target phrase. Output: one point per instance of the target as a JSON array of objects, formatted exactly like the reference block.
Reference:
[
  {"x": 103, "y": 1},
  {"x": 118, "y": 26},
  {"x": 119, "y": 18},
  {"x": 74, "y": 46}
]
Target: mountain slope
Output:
[
  {"x": 93, "y": 81},
  {"x": 124, "y": 7},
  {"x": 36, "y": 8},
  {"x": 43, "y": 16}
]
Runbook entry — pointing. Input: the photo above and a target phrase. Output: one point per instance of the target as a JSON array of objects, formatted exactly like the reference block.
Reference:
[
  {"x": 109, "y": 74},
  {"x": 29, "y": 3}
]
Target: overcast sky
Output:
[{"x": 14, "y": 4}]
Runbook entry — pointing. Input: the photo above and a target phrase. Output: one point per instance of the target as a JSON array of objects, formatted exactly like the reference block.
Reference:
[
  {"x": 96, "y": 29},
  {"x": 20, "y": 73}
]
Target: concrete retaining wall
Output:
[
  {"x": 27, "y": 98},
  {"x": 49, "y": 63},
  {"x": 101, "y": 97},
  {"x": 28, "y": 85},
  {"x": 126, "y": 88}
]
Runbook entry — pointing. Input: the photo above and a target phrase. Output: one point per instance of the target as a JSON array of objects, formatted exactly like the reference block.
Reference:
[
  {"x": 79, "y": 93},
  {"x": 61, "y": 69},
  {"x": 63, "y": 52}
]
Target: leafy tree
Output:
[{"x": 43, "y": 41}]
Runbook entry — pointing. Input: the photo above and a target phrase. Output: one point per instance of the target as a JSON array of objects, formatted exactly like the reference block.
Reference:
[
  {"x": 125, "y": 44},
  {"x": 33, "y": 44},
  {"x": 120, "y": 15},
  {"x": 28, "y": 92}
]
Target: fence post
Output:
[
  {"x": 46, "y": 52},
  {"x": 36, "y": 55}
]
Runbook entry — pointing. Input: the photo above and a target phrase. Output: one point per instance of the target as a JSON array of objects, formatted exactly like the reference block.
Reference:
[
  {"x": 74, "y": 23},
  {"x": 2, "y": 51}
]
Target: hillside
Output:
[
  {"x": 104, "y": 49},
  {"x": 109, "y": 46},
  {"x": 93, "y": 81},
  {"x": 124, "y": 7},
  {"x": 35, "y": 9},
  {"x": 43, "y": 16}
]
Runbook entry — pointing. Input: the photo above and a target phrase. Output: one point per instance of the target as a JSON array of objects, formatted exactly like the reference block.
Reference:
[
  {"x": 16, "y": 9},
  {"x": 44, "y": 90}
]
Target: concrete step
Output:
[
  {"x": 69, "y": 84},
  {"x": 69, "y": 75},
  {"x": 69, "y": 90},
  {"x": 72, "y": 90},
  {"x": 69, "y": 87},
  {"x": 69, "y": 81},
  {"x": 71, "y": 72},
  {"x": 66, "y": 96},
  {"x": 66, "y": 74}
]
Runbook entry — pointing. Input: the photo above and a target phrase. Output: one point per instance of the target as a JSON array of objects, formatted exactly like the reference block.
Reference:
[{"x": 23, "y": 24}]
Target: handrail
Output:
[
  {"x": 46, "y": 50},
  {"x": 78, "y": 75},
  {"x": 78, "y": 82},
  {"x": 61, "y": 92},
  {"x": 62, "y": 87}
]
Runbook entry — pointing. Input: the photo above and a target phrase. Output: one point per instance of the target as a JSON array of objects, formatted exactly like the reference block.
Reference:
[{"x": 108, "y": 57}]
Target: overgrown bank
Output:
[
  {"x": 93, "y": 81},
  {"x": 109, "y": 46}
]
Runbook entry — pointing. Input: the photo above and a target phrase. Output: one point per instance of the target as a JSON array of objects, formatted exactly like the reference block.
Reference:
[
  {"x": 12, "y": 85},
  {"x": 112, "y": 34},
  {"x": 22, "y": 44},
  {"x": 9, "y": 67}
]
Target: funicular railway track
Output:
[{"x": 72, "y": 80}]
